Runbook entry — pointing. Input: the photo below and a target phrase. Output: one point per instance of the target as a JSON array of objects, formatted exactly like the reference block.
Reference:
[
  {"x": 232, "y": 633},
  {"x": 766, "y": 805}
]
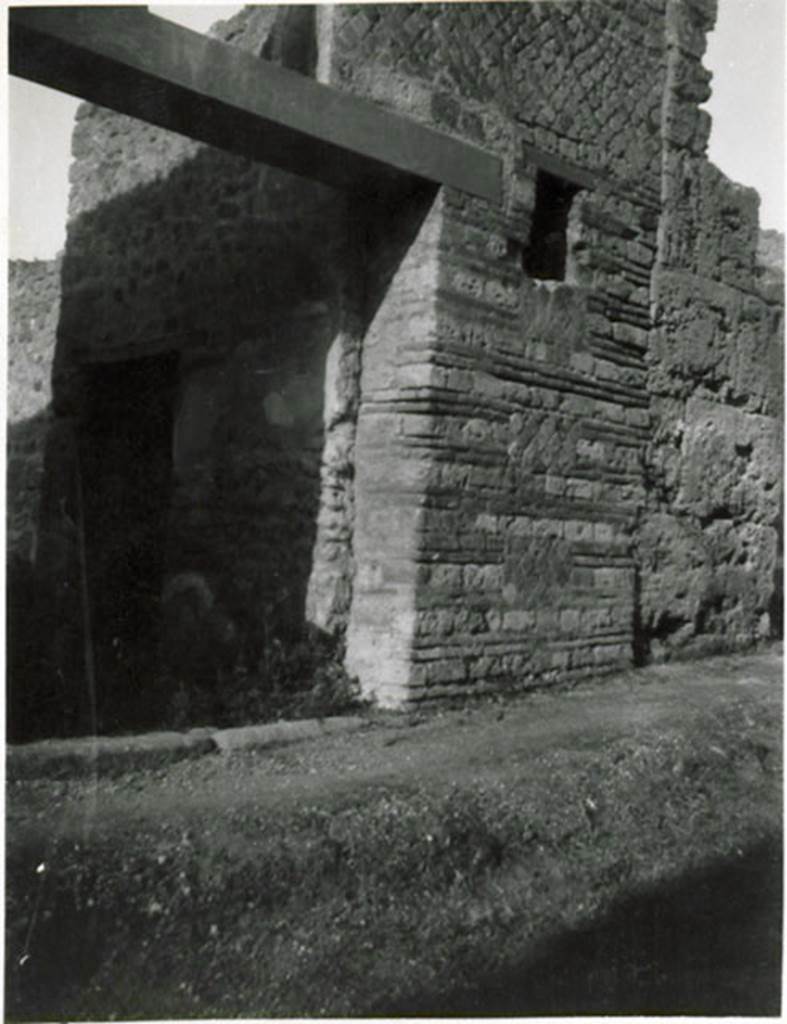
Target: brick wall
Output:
[
  {"x": 526, "y": 425},
  {"x": 500, "y": 446},
  {"x": 547, "y": 543},
  {"x": 579, "y": 80}
]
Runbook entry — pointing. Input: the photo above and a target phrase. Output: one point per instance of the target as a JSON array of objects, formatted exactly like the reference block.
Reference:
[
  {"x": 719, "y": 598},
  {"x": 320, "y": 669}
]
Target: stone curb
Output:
[
  {"x": 114, "y": 755},
  {"x": 258, "y": 737}
]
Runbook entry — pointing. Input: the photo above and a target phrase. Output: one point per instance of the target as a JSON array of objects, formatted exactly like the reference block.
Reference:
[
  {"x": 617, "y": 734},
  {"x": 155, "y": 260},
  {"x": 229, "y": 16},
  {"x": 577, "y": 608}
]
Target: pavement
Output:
[{"x": 540, "y": 720}]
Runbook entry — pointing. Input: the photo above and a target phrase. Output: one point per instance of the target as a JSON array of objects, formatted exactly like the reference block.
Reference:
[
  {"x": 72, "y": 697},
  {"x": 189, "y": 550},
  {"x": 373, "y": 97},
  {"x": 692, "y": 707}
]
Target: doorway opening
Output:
[{"x": 125, "y": 444}]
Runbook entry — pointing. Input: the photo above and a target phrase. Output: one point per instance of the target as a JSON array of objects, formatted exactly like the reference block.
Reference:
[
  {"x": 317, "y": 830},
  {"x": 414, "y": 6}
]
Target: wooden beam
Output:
[
  {"x": 129, "y": 60},
  {"x": 565, "y": 169}
]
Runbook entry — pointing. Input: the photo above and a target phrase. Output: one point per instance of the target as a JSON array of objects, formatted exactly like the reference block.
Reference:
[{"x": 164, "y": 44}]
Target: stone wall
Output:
[
  {"x": 393, "y": 464},
  {"x": 33, "y": 312},
  {"x": 525, "y": 412},
  {"x": 708, "y": 537},
  {"x": 244, "y": 278},
  {"x": 540, "y": 416},
  {"x": 580, "y": 81},
  {"x": 498, "y": 446}
]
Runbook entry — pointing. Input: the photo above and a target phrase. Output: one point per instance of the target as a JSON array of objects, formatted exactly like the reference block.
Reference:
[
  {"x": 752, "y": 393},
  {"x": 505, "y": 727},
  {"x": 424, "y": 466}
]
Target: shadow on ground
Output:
[{"x": 708, "y": 945}]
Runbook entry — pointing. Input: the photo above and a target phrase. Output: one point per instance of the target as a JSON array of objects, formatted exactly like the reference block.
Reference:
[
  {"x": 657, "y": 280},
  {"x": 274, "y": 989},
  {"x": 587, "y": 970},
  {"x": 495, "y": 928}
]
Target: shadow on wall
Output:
[
  {"x": 199, "y": 467},
  {"x": 25, "y": 441}
]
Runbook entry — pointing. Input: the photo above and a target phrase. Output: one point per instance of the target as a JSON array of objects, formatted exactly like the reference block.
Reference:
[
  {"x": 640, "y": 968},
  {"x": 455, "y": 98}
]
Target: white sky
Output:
[{"x": 745, "y": 53}]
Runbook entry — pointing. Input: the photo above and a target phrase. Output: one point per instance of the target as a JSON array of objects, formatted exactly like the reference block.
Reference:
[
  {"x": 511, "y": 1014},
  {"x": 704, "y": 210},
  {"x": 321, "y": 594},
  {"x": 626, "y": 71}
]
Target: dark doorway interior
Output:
[{"x": 126, "y": 470}]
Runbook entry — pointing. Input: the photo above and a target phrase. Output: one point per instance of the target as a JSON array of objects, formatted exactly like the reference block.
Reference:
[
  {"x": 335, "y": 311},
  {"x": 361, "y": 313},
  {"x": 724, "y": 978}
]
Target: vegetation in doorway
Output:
[{"x": 302, "y": 679}]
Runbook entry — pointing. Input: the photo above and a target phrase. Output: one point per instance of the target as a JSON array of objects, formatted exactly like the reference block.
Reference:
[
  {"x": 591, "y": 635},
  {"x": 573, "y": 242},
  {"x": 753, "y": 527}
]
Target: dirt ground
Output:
[
  {"x": 475, "y": 834},
  {"x": 442, "y": 746}
]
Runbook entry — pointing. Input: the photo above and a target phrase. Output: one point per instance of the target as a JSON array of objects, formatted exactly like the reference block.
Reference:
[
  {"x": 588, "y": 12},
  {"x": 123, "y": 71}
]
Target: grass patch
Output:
[{"x": 340, "y": 908}]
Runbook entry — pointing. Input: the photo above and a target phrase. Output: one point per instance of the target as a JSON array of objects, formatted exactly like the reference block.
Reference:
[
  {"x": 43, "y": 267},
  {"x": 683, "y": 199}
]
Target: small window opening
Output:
[{"x": 545, "y": 256}]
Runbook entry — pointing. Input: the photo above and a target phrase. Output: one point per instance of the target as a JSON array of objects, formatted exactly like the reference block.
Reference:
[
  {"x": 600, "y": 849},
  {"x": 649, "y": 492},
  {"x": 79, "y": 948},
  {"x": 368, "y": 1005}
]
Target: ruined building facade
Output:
[{"x": 491, "y": 446}]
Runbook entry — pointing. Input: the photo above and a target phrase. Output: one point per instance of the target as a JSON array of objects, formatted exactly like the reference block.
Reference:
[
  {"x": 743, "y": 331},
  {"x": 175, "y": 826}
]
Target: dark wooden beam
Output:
[
  {"x": 129, "y": 60},
  {"x": 562, "y": 168}
]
